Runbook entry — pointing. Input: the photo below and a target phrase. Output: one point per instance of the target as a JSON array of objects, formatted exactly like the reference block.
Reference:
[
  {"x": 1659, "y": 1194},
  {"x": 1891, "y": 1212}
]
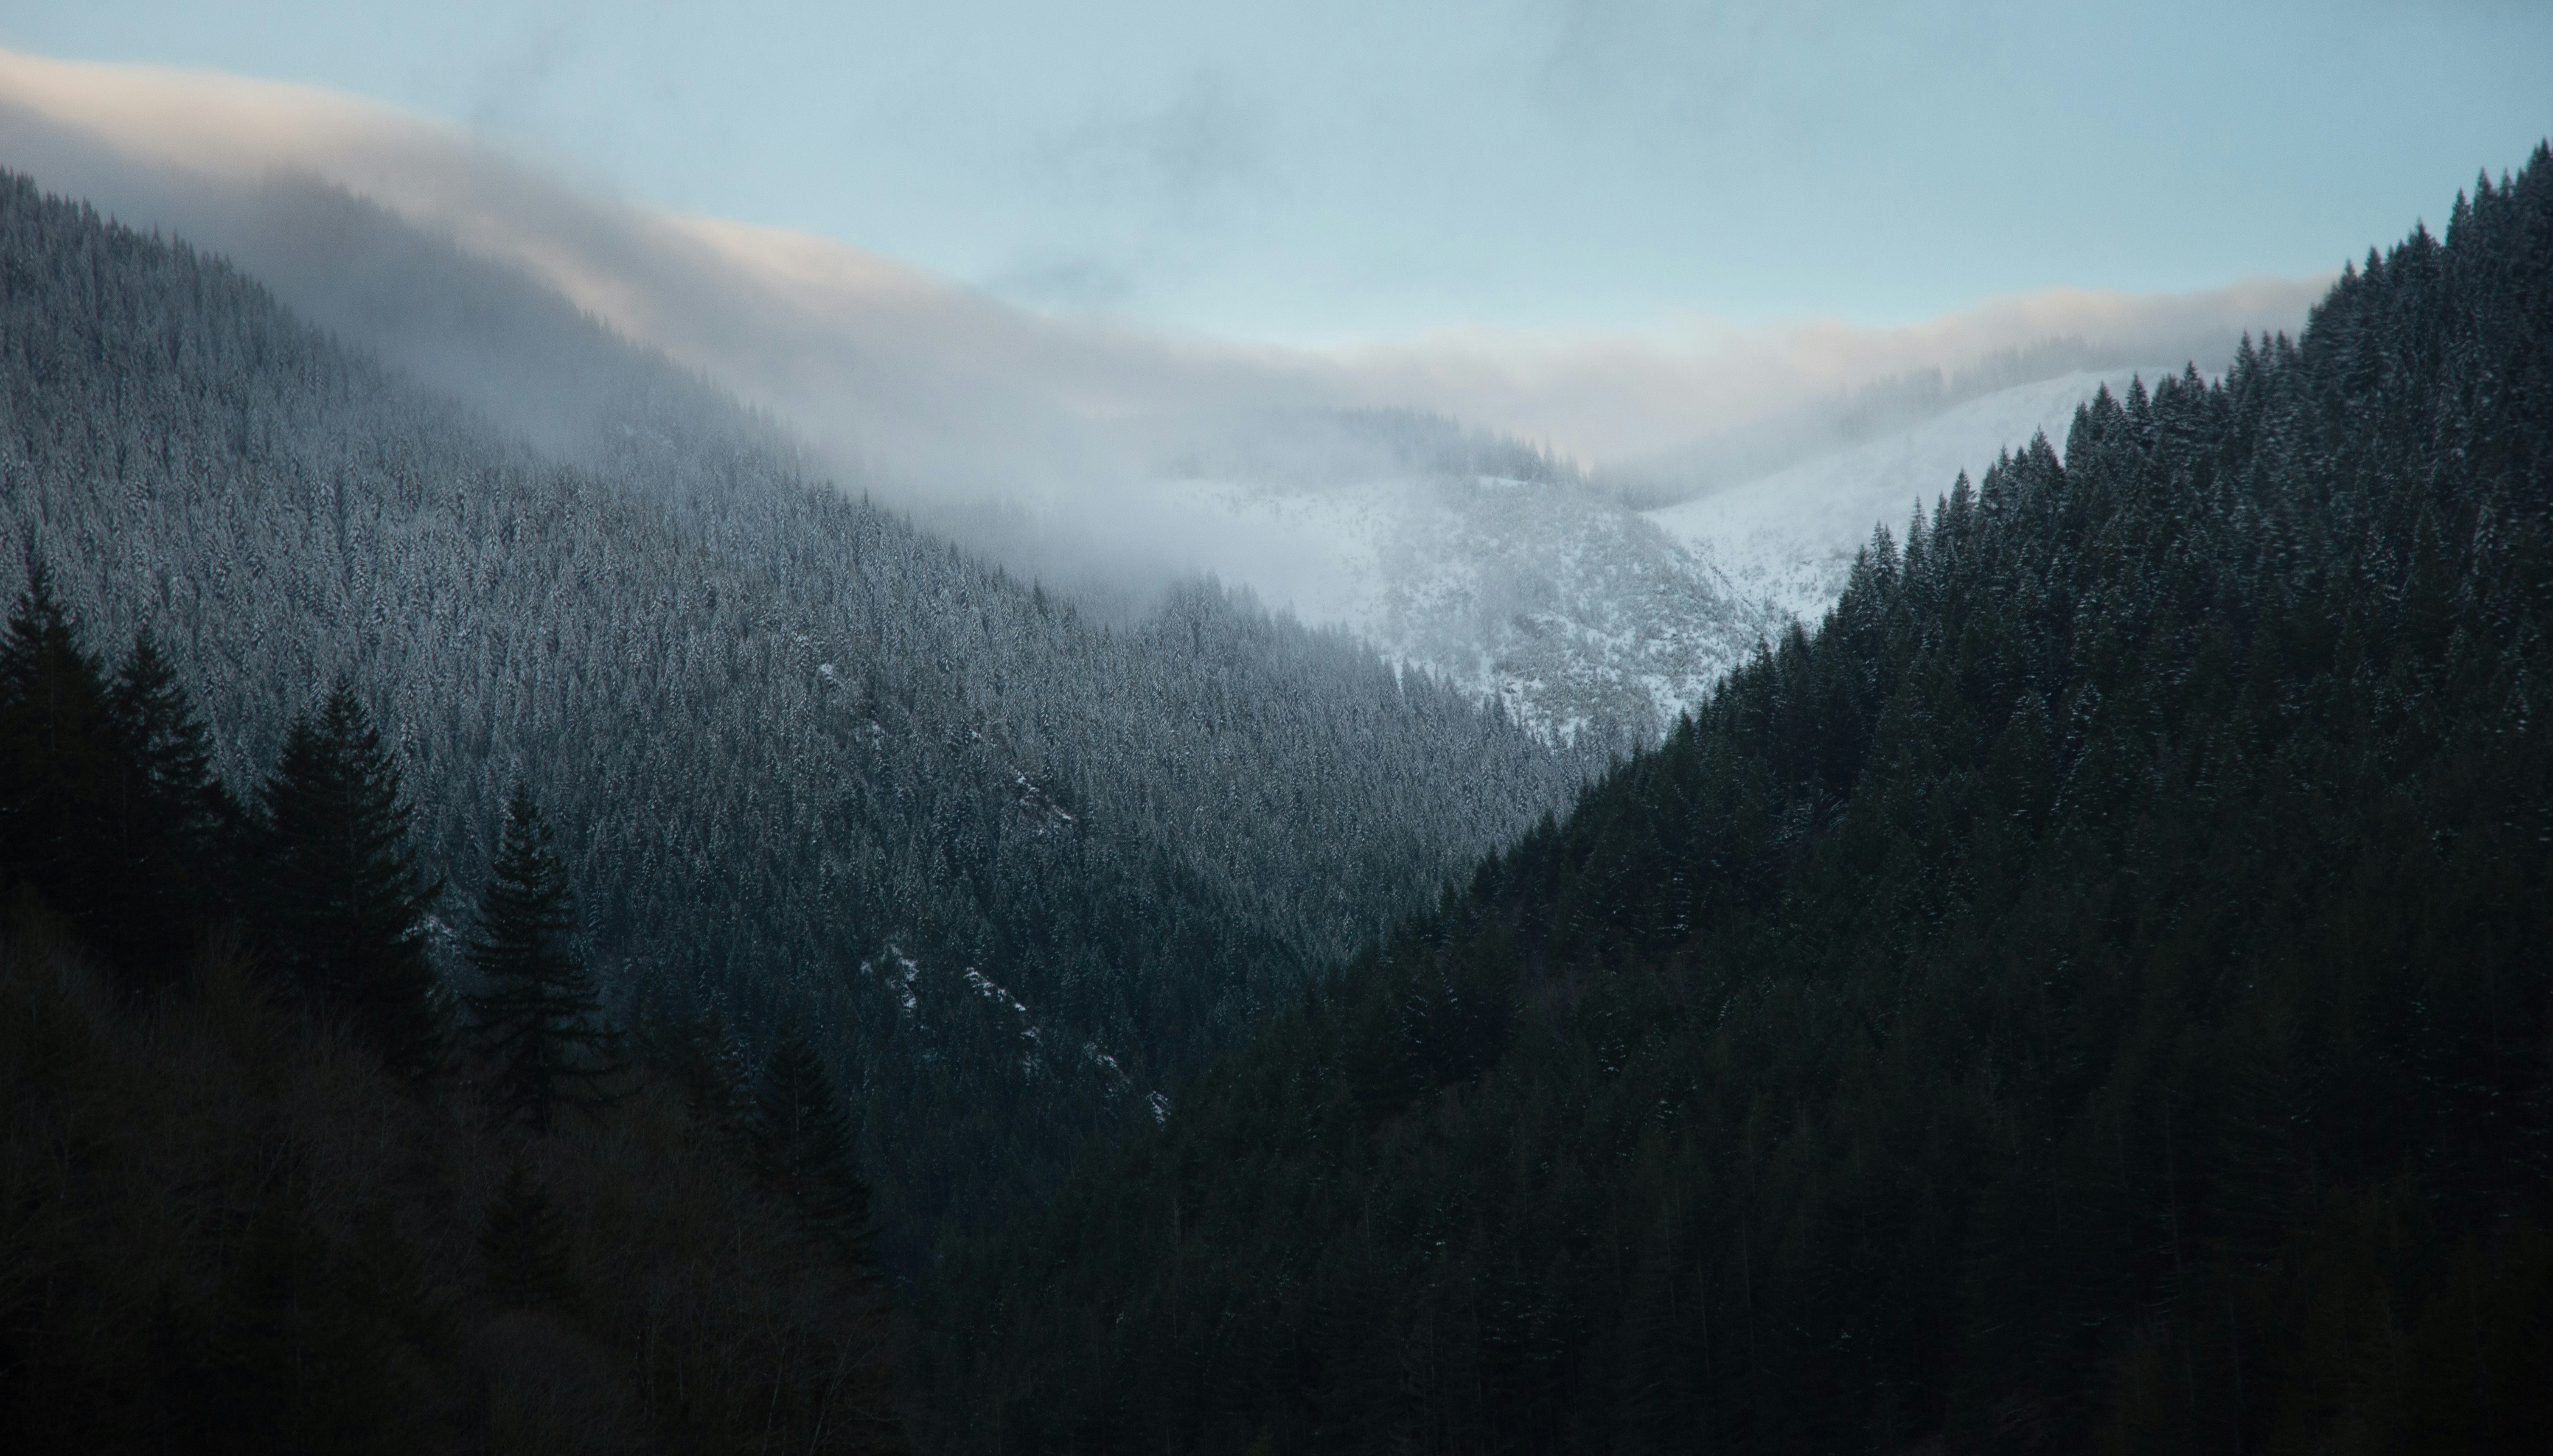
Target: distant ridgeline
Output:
[
  {"x": 2091, "y": 994},
  {"x": 1013, "y": 870}
]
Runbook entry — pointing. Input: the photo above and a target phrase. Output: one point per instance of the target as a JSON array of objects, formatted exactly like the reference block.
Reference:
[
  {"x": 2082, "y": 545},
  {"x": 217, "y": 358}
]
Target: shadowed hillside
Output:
[{"x": 2091, "y": 994}]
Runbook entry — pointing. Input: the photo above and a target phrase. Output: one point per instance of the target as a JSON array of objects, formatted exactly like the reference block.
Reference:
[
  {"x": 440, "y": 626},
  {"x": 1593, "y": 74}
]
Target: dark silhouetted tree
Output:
[
  {"x": 344, "y": 900},
  {"x": 801, "y": 1143},
  {"x": 55, "y": 757},
  {"x": 168, "y": 817},
  {"x": 537, "y": 1010}
]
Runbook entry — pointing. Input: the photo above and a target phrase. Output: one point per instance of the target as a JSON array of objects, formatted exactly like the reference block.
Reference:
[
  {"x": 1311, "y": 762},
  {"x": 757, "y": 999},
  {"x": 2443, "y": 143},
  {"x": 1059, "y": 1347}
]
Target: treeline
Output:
[
  {"x": 2091, "y": 994},
  {"x": 275, "y": 1186}
]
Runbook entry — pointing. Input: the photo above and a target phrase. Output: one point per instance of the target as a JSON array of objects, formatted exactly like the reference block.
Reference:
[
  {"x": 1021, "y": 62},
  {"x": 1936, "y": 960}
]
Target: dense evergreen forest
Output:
[
  {"x": 519, "y": 945},
  {"x": 2090, "y": 993},
  {"x": 273, "y": 1187},
  {"x": 1012, "y": 870}
]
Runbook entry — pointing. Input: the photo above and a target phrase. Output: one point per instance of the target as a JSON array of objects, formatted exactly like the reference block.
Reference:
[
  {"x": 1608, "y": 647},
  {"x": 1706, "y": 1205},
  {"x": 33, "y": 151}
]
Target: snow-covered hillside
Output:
[
  {"x": 1551, "y": 598},
  {"x": 1567, "y": 606},
  {"x": 1788, "y": 538}
]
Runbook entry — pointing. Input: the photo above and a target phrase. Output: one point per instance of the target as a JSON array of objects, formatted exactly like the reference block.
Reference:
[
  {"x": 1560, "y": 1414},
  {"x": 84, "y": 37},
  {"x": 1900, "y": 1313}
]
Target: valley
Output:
[{"x": 632, "y": 830}]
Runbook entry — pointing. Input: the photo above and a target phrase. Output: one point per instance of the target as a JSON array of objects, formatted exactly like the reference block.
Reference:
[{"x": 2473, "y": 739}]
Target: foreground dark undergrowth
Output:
[
  {"x": 267, "y": 1184},
  {"x": 229, "y": 1228}
]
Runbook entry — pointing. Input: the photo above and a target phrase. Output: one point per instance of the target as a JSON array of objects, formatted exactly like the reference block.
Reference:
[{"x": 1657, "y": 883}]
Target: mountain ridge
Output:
[
  {"x": 779, "y": 727},
  {"x": 2089, "y": 994}
]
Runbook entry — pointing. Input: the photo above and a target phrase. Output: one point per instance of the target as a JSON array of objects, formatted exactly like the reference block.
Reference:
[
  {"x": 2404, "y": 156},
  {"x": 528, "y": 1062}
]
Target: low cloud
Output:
[{"x": 947, "y": 396}]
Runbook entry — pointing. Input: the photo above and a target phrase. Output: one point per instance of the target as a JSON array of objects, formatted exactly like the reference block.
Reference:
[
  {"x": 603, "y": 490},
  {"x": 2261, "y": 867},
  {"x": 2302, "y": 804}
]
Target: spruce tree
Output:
[
  {"x": 161, "y": 738},
  {"x": 170, "y": 818},
  {"x": 536, "y": 1011},
  {"x": 800, "y": 1143},
  {"x": 524, "y": 1241},
  {"x": 54, "y": 758},
  {"x": 342, "y": 899},
  {"x": 108, "y": 805}
]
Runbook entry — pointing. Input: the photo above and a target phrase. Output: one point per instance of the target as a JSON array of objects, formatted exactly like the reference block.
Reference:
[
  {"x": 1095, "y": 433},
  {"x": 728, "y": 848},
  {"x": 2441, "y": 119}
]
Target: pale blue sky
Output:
[{"x": 1322, "y": 172}]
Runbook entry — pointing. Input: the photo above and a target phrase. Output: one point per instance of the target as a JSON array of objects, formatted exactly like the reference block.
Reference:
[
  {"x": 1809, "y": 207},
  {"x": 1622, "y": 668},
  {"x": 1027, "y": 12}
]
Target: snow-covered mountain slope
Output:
[
  {"x": 1787, "y": 539},
  {"x": 780, "y": 726},
  {"x": 1568, "y": 609},
  {"x": 1563, "y": 604}
]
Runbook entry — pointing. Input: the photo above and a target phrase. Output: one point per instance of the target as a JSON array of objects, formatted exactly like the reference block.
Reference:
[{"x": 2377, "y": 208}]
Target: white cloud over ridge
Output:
[{"x": 940, "y": 392}]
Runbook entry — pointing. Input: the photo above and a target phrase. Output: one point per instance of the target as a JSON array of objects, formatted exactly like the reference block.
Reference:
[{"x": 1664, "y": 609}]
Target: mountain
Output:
[
  {"x": 1559, "y": 602},
  {"x": 1479, "y": 560},
  {"x": 1530, "y": 582},
  {"x": 2092, "y": 992},
  {"x": 809, "y": 763},
  {"x": 1540, "y": 594}
]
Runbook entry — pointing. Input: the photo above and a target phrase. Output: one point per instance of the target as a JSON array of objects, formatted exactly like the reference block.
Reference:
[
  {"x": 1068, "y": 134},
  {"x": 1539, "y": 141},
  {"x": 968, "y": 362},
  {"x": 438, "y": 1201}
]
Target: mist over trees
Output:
[
  {"x": 1013, "y": 868},
  {"x": 1854, "y": 416}
]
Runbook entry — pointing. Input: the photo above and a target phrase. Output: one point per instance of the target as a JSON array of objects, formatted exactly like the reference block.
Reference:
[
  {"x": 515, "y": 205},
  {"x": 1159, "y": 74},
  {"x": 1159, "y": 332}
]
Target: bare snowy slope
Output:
[
  {"x": 1560, "y": 602},
  {"x": 1570, "y": 609},
  {"x": 1787, "y": 539}
]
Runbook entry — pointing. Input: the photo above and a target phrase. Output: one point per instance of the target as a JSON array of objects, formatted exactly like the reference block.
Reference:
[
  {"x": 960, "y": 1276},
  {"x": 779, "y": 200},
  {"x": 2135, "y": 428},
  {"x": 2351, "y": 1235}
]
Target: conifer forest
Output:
[{"x": 608, "y": 938}]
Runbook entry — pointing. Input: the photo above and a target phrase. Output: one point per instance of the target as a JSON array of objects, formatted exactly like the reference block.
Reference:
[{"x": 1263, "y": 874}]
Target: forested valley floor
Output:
[{"x": 507, "y": 951}]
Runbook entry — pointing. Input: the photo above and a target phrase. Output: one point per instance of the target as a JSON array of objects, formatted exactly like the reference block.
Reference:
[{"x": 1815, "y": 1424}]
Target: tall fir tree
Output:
[
  {"x": 345, "y": 903},
  {"x": 800, "y": 1143},
  {"x": 108, "y": 804},
  {"x": 55, "y": 758},
  {"x": 170, "y": 819},
  {"x": 537, "y": 1010}
]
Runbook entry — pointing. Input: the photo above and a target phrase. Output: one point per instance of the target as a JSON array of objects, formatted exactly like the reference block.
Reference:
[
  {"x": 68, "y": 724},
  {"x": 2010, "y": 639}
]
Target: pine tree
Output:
[
  {"x": 537, "y": 1012},
  {"x": 108, "y": 805},
  {"x": 160, "y": 734},
  {"x": 170, "y": 817},
  {"x": 801, "y": 1143},
  {"x": 343, "y": 898},
  {"x": 54, "y": 758},
  {"x": 524, "y": 1241}
]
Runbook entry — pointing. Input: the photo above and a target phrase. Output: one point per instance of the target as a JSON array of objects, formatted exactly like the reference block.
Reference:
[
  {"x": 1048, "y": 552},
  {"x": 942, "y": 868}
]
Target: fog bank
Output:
[{"x": 1039, "y": 434}]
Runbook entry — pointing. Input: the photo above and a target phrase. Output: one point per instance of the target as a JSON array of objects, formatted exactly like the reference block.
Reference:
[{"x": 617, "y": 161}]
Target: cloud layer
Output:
[{"x": 940, "y": 392}]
